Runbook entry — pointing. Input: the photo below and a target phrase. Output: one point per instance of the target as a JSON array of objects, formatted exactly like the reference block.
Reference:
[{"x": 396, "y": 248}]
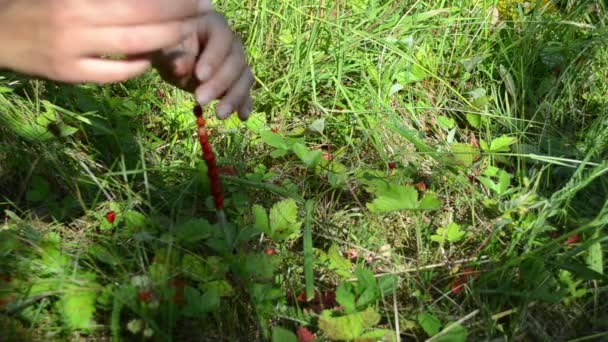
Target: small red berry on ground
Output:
[
  {"x": 111, "y": 216},
  {"x": 145, "y": 296},
  {"x": 270, "y": 251},
  {"x": 392, "y": 165},
  {"x": 304, "y": 335},
  {"x": 573, "y": 239}
]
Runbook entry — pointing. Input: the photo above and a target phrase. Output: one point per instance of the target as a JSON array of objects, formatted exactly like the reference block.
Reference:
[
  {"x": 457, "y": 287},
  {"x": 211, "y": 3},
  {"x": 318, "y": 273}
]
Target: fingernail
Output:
[
  {"x": 224, "y": 111},
  {"x": 203, "y": 73},
  {"x": 204, "y": 97}
]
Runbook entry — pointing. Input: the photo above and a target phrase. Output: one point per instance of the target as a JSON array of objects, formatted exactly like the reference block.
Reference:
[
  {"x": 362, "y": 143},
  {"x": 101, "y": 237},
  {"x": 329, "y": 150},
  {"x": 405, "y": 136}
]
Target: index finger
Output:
[{"x": 132, "y": 12}]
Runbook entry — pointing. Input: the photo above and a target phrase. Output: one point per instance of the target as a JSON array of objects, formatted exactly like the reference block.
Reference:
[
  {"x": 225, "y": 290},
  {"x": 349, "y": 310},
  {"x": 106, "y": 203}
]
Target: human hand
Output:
[
  {"x": 212, "y": 65},
  {"x": 61, "y": 39}
]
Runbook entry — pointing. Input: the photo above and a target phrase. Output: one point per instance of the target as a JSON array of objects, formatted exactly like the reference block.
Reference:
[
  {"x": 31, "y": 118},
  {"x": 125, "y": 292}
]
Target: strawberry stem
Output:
[{"x": 212, "y": 172}]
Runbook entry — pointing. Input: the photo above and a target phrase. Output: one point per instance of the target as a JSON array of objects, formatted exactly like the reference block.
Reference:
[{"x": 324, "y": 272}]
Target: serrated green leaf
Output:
[
  {"x": 256, "y": 121},
  {"x": 134, "y": 221},
  {"x": 279, "y": 153},
  {"x": 365, "y": 278},
  {"x": 454, "y": 333},
  {"x": 338, "y": 263},
  {"x": 387, "y": 284},
  {"x": 429, "y": 323},
  {"x": 194, "y": 230},
  {"x": 445, "y": 122},
  {"x": 260, "y": 219},
  {"x": 198, "y": 305},
  {"x": 346, "y": 298},
  {"x": 308, "y": 157},
  {"x": 474, "y": 120},
  {"x": 393, "y": 198},
  {"x": 77, "y": 307},
  {"x": 502, "y": 144},
  {"x": 430, "y": 202},
  {"x": 347, "y": 327},
  {"x": 595, "y": 256},
  {"x": 380, "y": 335},
  {"x": 273, "y": 139},
  {"x": 283, "y": 335},
  {"x": 318, "y": 126},
  {"x": 465, "y": 154},
  {"x": 284, "y": 220},
  {"x": 104, "y": 255}
]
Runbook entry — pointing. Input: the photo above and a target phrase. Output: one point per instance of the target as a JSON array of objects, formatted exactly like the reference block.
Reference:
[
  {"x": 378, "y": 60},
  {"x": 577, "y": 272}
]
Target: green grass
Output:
[{"x": 493, "y": 216}]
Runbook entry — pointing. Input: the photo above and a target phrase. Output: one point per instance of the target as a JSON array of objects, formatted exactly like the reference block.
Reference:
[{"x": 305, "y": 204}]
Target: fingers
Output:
[
  {"x": 131, "y": 40},
  {"x": 133, "y": 12},
  {"x": 176, "y": 64},
  {"x": 216, "y": 37},
  {"x": 223, "y": 79},
  {"x": 245, "y": 109},
  {"x": 103, "y": 71},
  {"x": 237, "y": 98}
]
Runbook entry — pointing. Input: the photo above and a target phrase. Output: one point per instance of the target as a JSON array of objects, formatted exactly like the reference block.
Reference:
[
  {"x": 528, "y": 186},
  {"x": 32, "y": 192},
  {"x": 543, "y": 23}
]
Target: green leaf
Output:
[
  {"x": 395, "y": 197},
  {"x": 445, "y": 122},
  {"x": 346, "y": 298},
  {"x": 387, "y": 284},
  {"x": 430, "y": 202},
  {"x": 474, "y": 120},
  {"x": 429, "y": 323},
  {"x": 77, "y": 307},
  {"x": 256, "y": 121},
  {"x": 8, "y": 243},
  {"x": 283, "y": 335},
  {"x": 279, "y": 153},
  {"x": 392, "y": 197},
  {"x": 39, "y": 190},
  {"x": 309, "y": 158},
  {"x": 380, "y": 335},
  {"x": 595, "y": 256},
  {"x": 502, "y": 144},
  {"x": 348, "y": 327},
  {"x": 366, "y": 278},
  {"x": 104, "y": 255},
  {"x": 504, "y": 181},
  {"x": 273, "y": 139},
  {"x": 452, "y": 233},
  {"x": 197, "y": 305},
  {"x": 284, "y": 220},
  {"x": 194, "y": 230},
  {"x": 260, "y": 219},
  {"x": 318, "y": 126},
  {"x": 134, "y": 221},
  {"x": 465, "y": 154},
  {"x": 338, "y": 263},
  {"x": 454, "y": 333}
]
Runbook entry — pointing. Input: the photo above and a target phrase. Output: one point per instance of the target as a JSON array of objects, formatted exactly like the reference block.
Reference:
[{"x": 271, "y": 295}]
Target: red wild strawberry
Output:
[
  {"x": 421, "y": 186},
  {"x": 467, "y": 274},
  {"x": 275, "y": 130},
  {"x": 111, "y": 216},
  {"x": 270, "y": 251},
  {"x": 145, "y": 296},
  {"x": 304, "y": 335},
  {"x": 573, "y": 239},
  {"x": 392, "y": 165}
]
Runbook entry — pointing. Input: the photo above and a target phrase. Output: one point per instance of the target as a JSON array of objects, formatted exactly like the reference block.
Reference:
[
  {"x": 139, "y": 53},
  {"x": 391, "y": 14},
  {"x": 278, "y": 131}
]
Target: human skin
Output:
[
  {"x": 64, "y": 40},
  {"x": 212, "y": 65}
]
